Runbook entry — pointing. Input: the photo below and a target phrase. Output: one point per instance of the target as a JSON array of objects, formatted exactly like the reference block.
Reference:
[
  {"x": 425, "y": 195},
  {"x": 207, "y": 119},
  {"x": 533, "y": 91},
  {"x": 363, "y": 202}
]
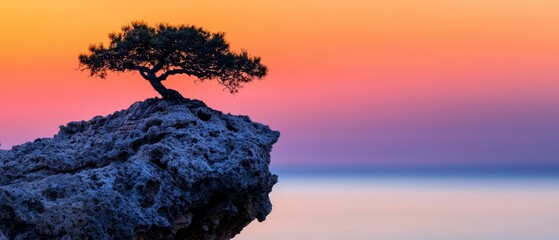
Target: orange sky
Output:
[{"x": 382, "y": 69}]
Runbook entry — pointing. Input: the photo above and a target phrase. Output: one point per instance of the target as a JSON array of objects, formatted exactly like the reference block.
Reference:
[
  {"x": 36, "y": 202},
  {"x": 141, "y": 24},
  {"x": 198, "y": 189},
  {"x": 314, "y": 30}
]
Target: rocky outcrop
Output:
[{"x": 157, "y": 170}]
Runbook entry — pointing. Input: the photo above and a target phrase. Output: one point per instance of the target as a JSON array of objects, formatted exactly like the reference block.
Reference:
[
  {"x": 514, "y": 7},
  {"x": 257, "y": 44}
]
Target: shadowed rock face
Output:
[{"x": 158, "y": 170}]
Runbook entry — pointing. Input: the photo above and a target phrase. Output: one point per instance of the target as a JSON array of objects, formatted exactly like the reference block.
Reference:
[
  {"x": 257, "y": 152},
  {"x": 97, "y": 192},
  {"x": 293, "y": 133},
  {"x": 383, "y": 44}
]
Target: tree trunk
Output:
[{"x": 163, "y": 91}]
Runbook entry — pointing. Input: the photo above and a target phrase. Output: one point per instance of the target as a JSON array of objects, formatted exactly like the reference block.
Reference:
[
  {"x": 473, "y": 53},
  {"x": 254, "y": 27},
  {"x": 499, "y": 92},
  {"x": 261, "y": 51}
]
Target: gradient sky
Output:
[{"x": 351, "y": 83}]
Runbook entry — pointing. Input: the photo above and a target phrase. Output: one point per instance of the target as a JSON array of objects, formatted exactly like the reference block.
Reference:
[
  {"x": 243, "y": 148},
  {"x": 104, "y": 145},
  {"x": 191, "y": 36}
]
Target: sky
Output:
[{"x": 352, "y": 83}]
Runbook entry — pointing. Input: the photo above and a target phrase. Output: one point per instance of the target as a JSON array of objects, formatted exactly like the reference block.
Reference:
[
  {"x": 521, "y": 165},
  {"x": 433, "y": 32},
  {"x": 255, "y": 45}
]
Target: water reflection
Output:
[{"x": 411, "y": 208}]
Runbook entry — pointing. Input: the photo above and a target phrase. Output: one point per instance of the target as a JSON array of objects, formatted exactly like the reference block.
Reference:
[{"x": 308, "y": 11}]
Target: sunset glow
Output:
[{"x": 404, "y": 82}]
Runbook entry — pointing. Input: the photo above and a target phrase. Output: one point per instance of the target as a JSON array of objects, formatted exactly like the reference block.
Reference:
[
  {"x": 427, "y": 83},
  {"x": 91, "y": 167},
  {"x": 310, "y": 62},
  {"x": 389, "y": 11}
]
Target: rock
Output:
[{"x": 157, "y": 170}]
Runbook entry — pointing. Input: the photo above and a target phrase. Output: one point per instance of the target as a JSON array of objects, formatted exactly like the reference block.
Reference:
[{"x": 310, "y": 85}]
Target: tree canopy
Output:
[{"x": 160, "y": 51}]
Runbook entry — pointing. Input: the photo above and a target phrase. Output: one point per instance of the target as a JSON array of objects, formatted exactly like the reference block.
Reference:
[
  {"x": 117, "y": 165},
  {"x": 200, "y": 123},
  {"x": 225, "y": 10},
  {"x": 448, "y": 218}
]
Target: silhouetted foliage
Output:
[{"x": 164, "y": 50}]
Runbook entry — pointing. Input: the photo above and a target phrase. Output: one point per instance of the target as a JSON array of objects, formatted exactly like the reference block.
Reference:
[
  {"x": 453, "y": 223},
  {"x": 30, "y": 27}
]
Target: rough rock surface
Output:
[{"x": 158, "y": 170}]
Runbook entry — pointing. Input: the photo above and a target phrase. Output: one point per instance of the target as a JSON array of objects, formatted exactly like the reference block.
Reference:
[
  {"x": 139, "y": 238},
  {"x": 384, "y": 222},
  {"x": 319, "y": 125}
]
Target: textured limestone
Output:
[{"x": 157, "y": 170}]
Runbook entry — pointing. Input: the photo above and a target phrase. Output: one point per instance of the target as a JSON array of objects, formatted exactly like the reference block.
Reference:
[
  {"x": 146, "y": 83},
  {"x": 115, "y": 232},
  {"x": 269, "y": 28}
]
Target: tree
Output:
[{"x": 165, "y": 50}]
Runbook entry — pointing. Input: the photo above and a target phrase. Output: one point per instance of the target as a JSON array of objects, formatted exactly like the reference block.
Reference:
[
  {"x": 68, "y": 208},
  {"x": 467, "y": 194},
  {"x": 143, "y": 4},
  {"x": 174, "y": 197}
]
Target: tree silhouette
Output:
[{"x": 164, "y": 50}]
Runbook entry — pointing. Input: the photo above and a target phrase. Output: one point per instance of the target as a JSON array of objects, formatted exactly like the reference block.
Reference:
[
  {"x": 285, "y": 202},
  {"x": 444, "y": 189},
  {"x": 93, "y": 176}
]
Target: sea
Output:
[{"x": 397, "y": 205}]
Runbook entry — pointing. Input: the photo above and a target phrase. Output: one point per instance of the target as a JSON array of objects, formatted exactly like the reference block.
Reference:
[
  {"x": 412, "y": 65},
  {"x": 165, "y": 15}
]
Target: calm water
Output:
[{"x": 414, "y": 207}]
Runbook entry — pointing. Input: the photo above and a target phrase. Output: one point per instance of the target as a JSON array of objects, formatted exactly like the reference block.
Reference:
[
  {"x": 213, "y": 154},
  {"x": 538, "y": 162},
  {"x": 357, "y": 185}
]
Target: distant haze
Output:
[{"x": 351, "y": 83}]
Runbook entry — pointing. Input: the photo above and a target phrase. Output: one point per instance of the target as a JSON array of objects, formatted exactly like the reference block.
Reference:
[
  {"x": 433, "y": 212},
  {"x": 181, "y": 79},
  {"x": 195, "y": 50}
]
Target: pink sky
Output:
[{"x": 354, "y": 82}]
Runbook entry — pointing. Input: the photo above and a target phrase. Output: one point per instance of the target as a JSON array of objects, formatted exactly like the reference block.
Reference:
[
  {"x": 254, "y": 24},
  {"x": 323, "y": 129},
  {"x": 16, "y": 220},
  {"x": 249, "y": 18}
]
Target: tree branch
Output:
[
  {"x": 161, "y": 62},
  {"x": 158, "y": 66},
  {"x": 173, "y": 72},
  {"x": 142, "y": 68},
  {"x": 144, "y": 75},
  {"x": 143, "y": 71}
]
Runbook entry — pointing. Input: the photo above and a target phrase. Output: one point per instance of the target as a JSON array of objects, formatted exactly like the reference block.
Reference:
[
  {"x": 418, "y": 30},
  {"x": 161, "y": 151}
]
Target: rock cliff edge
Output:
[{"x": 157, "y": 170}]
